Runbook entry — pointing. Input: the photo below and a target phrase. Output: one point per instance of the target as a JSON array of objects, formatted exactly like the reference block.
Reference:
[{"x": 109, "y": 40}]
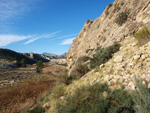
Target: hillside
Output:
[
  {"x": 119, "y": 20},
  {"x": 36, "y": 57},
  {"x": 12, "y": 56},
  {"x": 105, "y": 62}
]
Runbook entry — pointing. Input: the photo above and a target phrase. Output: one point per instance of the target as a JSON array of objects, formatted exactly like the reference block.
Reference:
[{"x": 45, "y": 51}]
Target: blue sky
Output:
[{"x": 45, "y": 25}]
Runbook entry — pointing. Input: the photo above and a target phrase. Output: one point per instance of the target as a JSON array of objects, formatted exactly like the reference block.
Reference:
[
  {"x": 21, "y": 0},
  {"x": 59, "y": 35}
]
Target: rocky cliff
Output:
[
  {"x": 108, "y": 29},
  {"x": 123, "y": 22}
]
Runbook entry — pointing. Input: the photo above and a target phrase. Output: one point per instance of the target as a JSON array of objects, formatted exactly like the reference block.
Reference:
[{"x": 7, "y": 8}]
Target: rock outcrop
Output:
[
  {"x": 36, "y": 57},
  {"x": 104, "y": 31}
]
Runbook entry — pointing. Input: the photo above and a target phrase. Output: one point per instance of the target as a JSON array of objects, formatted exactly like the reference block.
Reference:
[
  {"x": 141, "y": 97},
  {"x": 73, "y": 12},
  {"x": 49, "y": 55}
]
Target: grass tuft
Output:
[
  {"x": 37, "y": 109},
  {"x": 142, "y": 35}
]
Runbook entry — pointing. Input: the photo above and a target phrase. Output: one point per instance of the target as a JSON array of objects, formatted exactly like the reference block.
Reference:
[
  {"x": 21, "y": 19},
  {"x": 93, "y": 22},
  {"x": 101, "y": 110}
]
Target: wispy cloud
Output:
[
  {"x": 67, "y": 41},
  {"x": 31, "y": 40},
  {"x": 65, "y": 36},
  {"x": 41, "y": 36},
  {"x": 6, "y": 39},
  {"x": 11, "y": 10}
]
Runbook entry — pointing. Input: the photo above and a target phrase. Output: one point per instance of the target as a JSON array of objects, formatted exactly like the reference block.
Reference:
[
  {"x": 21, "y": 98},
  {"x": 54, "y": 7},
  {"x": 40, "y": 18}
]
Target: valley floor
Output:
[{"x": 20, "y": 88}]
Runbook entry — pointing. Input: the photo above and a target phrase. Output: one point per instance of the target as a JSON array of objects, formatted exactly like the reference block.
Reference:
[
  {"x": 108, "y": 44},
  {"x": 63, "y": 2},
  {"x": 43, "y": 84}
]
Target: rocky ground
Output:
[
  {"x": 131, "y": 62},
  {"x": 10, "y": 77}
]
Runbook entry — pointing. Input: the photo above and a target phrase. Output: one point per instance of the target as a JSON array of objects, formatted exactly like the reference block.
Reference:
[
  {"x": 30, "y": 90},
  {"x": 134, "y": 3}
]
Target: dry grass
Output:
[
  {"x": 142, "y": 35},
  {"x": 19, "y": 98},
  {"x": 54, "y": 70},
  {"x": 23, "y": 96}
]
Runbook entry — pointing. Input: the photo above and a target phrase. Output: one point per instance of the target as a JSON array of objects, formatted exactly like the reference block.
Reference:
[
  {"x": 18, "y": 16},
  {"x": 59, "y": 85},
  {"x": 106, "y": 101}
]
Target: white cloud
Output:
[
  {"x": 64, "y": 36},
  {"x": 31, "y": 40},
  {"x": 8, "y": 39},
  {"x": 67, "y": 41},
  {"x": 42, "y": 36},
  {"x": 12, "y": 10}
]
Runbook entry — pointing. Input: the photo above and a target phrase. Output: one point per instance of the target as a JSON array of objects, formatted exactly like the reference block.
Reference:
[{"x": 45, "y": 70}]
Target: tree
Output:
[
  {"x": 23, "y": 63},
  {"x": 39, "y": 66}
]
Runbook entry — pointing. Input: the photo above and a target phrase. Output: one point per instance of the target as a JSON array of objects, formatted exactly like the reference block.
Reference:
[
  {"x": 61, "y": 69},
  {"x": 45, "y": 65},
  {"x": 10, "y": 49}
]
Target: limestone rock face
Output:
[{"x": 104, "y": 31}]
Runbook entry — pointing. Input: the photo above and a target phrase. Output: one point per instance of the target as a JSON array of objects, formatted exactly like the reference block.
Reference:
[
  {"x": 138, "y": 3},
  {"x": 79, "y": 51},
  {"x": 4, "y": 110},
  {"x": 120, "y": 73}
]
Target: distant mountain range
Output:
[
  {"x": 49, "y": 54},
  {"x": 54, "y": 55}
]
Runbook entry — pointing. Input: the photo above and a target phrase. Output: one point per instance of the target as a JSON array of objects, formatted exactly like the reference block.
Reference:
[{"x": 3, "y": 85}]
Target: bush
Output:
[
  {"x": 143, "y": 35},
  {"x": 81, "y": 68},
  {"x": 79, "y": 71},
  {"x": 23, "y": 63},
  {"x": 65, "y": 78},
  {"x": 102, "y": 55},
  {"x": 82, "y": 59},
  {"x": 107, "y": 8},
  {"x": 96, "y": 99},
  {"x": 121, "y": 18},
  {"x": 107, "y": 13},
  {"x": 121, "y": 101},
  {"x": 141, "y": 97},
  {"x": 85, "y": 100},
  {"x": 39, "y": 66}
]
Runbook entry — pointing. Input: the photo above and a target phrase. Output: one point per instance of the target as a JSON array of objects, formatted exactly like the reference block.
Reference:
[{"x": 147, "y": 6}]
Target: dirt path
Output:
[{"x": 17, "y": 99}]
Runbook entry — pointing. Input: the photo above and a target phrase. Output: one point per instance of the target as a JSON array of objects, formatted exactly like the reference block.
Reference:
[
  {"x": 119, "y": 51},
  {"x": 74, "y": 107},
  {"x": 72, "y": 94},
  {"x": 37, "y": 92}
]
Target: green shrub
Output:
[
  {"x": 81, "y": 68},
  {"x": 37, "y": 109},
  {"x": 23, "y": 63},
  {"x": 91, "y": 99},
  {"x": 141, "y": 97},
  {"x": 65, "y": 78},
  {"x": 121, "y": 101},
  {"x": 79, "y": 71},
  {"x": 85, "y": 100},
  {"x": 121, "y": 18},
  {"x": 143, "y": 35},
  {"x": 107, "y": 13},
  {"x": 39, "y": 66},
  {"x": 102, "y": 55},
  {"x": 82, "y": 59},
  {"x": 107, "y": 8}
]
